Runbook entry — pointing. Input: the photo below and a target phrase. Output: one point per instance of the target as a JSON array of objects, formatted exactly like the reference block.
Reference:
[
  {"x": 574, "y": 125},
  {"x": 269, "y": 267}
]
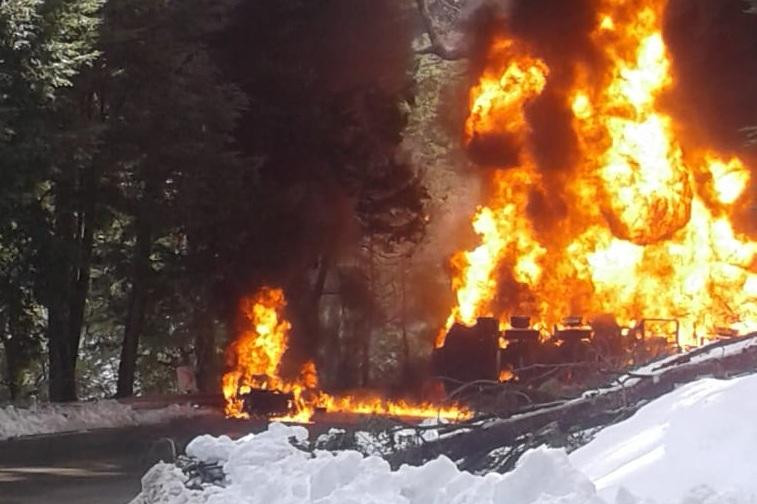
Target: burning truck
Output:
[{"x": 492, "y": 351}]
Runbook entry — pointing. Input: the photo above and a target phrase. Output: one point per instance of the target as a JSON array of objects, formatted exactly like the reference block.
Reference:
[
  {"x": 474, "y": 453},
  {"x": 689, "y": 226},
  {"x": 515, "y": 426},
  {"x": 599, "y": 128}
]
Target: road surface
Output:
[{"x": 98, "y": 467}]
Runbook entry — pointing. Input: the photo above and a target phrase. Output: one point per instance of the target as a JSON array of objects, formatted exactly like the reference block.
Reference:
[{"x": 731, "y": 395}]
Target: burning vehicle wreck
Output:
[
  {"x": 493, "y": 351},
  {"x": 266, "y": 403},
  {"x": 595, "y": 201},
  {"x": 254, "y": 386}
]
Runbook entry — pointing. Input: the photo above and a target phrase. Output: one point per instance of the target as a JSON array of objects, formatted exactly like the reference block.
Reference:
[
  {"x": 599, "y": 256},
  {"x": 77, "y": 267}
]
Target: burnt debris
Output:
[
  {"x": 267, "y": 403},
  {"x": 489, "y": 352}
]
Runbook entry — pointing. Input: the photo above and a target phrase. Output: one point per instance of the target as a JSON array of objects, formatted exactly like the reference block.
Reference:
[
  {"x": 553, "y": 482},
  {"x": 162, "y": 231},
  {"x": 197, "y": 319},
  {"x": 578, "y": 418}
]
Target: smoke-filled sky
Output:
[
  {"x": 714, "y": 47},
  {"x": 714, "y": 51},
  {"x": 349, "y": 43}
]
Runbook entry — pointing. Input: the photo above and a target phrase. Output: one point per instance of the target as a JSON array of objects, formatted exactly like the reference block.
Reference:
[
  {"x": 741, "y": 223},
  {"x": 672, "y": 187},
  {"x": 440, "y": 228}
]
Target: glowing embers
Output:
[
  {"x": 253, "y": 386},
  {"x": 648, "y": 228}
]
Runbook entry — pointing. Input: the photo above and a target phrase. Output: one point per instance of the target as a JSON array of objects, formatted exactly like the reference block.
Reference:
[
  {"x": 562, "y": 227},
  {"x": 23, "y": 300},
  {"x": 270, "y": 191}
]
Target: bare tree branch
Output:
[
  {"x": 592, "y": 409},
  {"x": 437, "y": 47},
  {"x": 451, "y": 5}
]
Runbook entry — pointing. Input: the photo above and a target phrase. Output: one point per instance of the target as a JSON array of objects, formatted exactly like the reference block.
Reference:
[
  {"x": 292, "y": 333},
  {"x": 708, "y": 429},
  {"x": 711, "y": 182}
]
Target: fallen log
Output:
[{"x": 593, "y": 408}]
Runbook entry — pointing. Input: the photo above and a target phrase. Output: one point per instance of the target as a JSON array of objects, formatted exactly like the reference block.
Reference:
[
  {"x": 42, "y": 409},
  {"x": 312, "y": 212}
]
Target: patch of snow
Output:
[
  {"x": 701, "y": 436},
  {"x": 726, "y": 350},
  {"x": 210, "y": 449},
  {"x": 330, "y": 436},
  {"x": 381, "y": 442},
  {"x": 52, "y": 418},
  {"x": 164, "y": 484},
  {"x": 385, "y": 443}
]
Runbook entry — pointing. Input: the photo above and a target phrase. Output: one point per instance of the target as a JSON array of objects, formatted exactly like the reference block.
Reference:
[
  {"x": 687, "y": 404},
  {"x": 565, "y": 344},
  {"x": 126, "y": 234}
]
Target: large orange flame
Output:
[
  {"x": 255, "y": 356},
  {"x": 648, "y": 229},
  {"x": 254, "y": 360}
]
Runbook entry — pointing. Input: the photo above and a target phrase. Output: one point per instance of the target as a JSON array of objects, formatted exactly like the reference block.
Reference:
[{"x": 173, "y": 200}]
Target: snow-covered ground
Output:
[
  {"x": 696, "y": 445},
  {"x": 704, "y": 433},
  {"x": 51, "y": 418}
]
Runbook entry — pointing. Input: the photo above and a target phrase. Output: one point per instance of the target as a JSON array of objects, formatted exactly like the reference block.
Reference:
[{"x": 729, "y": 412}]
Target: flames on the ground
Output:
[
  {"x": 648, "y": 229},
  {"x": 254, "y": 360}
]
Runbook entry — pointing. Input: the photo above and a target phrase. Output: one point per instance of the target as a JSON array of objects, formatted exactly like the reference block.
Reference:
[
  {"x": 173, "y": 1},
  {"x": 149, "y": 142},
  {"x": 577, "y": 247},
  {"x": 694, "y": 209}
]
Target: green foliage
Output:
[
  {"x": 106, "y": 114},
  {"x": 126, "y": 213},
  {"x": 43, "y": 46},
  {"x": 169, "y": 132}
]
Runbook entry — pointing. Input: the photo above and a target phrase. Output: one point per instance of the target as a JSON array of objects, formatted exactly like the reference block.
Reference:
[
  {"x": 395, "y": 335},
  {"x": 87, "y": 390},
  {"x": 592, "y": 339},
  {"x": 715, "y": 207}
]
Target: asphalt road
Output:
[{"x": 98, "y": 467}]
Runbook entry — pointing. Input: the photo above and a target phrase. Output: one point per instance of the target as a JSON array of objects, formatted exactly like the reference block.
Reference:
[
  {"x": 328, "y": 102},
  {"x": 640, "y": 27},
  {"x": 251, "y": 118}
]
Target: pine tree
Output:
[
  {"x": 169, "y": 129},
  {"x": 46, "y": 175}
]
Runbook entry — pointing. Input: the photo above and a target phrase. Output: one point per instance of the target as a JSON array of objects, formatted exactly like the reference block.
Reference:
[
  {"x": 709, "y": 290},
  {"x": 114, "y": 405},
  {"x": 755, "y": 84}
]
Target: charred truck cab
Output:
[{"x": 470, "y": 353}]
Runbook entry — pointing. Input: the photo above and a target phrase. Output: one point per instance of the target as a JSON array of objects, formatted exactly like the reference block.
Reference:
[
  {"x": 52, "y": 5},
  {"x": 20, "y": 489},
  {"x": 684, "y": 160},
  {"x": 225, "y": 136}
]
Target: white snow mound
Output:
[
  {"x": 696, "y": 445},
  {"x": 703, "y": 433},
  {"x": 266, "y": 469}
]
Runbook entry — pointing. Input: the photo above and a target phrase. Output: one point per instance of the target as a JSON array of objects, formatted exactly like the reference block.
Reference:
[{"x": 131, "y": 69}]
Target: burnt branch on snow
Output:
[{"x": 473, "y": 443}]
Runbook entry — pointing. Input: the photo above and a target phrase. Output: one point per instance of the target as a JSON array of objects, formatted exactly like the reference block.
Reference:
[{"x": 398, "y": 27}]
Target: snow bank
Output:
[
  {"x": 52, "y": 418},
  {"x": 267, "y": 469},
  {"x": 696, "y": 445},
  {"x": 703, "y": 433}
]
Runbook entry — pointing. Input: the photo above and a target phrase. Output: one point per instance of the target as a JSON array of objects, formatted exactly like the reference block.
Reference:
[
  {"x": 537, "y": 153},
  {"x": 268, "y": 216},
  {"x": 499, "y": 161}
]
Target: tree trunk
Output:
[
  {"x": 339, "y": 351},
  {"x": 11, "y": 358},
  {"x": 313, "y": 310},
  {"x": 65, "y": 310},
  {"x": 304, "y": 297},
  {"x": 70, "y": 244},
  {"x": 205, "y": 354},
  {"x": 136, "y": 309},
  {"x": 85, "y": 232},
  {"x": 365, "y": 353},
  {"x": 59, "y": 291},
  {"x": 367, "y": 333},
  {"x": 62, "y": 384},
  {"x": 437, "y": 47}
]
